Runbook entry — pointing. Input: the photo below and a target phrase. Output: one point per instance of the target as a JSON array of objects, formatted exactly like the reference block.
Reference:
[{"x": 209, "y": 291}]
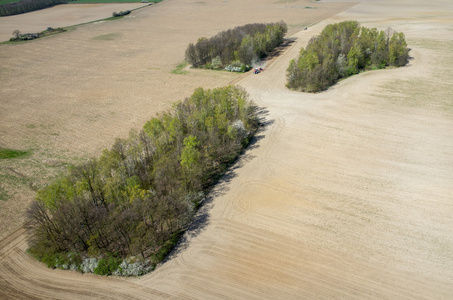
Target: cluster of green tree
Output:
[
  {"x": 18, "y": 36},
  {"x": 121, "y": 13},
  {"x": 140, "y": 194},
  {"x": 25, "y": 6},
  {"x": 241, "y": 45},
  {"x": 344, "y": 49}
]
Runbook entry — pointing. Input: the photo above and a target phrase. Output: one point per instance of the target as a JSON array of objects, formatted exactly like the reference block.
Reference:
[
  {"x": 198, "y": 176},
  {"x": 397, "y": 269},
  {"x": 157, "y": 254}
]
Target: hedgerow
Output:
[
  {"x": 24, "y": 6},
  {"x": 236, "y": 49}
]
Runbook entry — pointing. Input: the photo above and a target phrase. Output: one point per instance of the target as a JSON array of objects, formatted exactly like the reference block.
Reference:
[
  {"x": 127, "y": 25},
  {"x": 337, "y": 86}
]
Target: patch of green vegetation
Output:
[
  {"x": 3, "y": 194},
  {"x": 115, "y": 1},
  {"x": 107, "y": 37},
  {"x": 20, "y": 7},
  {"x": 21, "y": 37},
  {"x": 324, "y": 62},
  {"x": 241, "y": 45},
  {"x": 8, "y": 1},
  {"x": 174, "y": 161},
  {"x": 180, "y": 69},
  {"x": 167, "y": 246},
  {"x": 10, "y": 153},
  {"x": 106, "y": 266}
]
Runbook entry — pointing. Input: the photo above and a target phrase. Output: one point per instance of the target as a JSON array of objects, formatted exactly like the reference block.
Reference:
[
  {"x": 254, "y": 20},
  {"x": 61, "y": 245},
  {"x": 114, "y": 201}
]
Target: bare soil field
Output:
[
  {"x": 67, "y": 97},
  {"x": 60, "y": 16},
  {"x": 343, "y": 194}
]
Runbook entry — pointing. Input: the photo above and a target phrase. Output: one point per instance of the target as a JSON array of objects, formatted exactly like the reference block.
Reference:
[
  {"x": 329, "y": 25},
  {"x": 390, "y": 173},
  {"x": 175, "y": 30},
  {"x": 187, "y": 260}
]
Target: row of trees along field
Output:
[
  {"x": 25, "y": 6},
  {"x": 238, "y": 47},
  {"x": 140, "y": 194},
  {"x": 344, "y": 49}
]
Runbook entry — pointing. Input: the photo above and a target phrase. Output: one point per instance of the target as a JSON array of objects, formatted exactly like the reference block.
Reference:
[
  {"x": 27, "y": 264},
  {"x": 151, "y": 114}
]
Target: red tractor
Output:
[{"x": 258, "y": 70}]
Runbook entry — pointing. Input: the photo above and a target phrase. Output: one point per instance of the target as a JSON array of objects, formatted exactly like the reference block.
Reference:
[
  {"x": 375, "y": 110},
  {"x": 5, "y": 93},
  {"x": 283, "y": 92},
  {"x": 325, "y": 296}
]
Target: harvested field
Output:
[
  {"x": 344, "y": 194},
  {"x": 60, "y": 16}
]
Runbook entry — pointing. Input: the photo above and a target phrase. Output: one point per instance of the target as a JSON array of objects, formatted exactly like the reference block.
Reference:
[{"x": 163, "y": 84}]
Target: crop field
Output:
[
  {"x": 342, "y": 194},
  {"x": 64, "y": 15},
  {"x": 114, "y": 1},
  {"x": 8, "y": 1},
  {"x": 92, "y": 1}
]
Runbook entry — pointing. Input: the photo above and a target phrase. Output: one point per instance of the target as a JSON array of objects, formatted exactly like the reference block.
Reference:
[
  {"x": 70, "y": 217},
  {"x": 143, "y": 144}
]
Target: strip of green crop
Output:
[
  {"x": 10, "y": 153},
  {"x": 2, "y": 2},
  {"x": 113, "y": 1},
  {"x": 8, "y": 1}
]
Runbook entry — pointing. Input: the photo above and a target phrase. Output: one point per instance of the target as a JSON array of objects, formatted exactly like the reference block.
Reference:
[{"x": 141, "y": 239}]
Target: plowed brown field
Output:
[
  {"x": 60, "y": 16},
  {"x": 344, "y": 194}
]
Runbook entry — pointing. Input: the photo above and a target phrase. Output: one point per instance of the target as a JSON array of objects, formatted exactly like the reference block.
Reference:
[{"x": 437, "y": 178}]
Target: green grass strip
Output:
[
  {"x": 179, "y": 69},
  {"x": 8, "y": 1},
  {"x": 109, "y": 1},
  {"x": 10, "y": 153}
]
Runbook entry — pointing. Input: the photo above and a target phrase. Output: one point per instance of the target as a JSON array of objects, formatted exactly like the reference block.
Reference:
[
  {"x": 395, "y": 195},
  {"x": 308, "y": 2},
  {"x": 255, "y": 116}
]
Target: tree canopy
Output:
[
  {"x": 143, "y": 191},
  {"x": 344, "y": 49},
  {"x": 239, "y": 47}
]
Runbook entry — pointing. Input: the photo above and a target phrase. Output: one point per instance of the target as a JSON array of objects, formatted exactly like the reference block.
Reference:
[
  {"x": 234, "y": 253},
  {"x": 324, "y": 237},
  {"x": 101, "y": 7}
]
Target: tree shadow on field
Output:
[
  {"x": 287, "y": 42},
  {"x": 203, "y": 215}
]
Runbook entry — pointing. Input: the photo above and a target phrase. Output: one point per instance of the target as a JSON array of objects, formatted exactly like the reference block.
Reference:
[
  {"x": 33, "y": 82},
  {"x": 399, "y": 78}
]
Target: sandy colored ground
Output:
[
  {"x": 345, "y": 194},
  {"x": 69, "y": 96},
  {"x": 60, "y": 16}
]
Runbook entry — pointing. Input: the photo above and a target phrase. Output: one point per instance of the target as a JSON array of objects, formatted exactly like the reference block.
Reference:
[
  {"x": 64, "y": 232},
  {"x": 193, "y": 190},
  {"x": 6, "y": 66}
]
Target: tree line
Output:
[
  {"x": 239, "y": 47},
  {"x": 342, "y": 50},
  {"x": 138, "y": 196},
  {"x": 25, "y": 6}
]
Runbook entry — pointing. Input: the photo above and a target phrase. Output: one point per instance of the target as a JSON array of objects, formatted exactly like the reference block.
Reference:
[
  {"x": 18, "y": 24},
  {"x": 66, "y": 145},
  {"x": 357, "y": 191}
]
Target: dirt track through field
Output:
[{"x": 344, "y": 194}]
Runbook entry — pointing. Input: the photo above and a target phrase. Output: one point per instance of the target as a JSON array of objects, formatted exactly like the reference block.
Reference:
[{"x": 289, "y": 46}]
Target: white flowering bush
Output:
[
  {"x": 240, "y": 127},
  {"x": 237, "y": 66},
  {"x": 89, "y": 264},
  {"x": 130, "y": 267}
]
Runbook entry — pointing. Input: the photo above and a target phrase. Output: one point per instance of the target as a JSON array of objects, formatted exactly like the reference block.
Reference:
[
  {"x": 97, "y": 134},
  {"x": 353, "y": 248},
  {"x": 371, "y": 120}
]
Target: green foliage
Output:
[
  {"x": 180, "y": 69},
  {"x": 167, "y": 246},
  {"x": 121, "y": 13},
  {"x": 27, "y": 6},
  {"x": 114, "y": 1},
  {"x": 106, "y": 266},
  {"x": 11, "y": 153},
  {"x": 245, "y": 44},
  {"x": 398, "y": 52},
  {"x": 190, "y": 155},
  {"x": 216, "y": 63},
  {"x": 2, "y": 2},
  {"x": 142, "y": 192},
  {"x": 342, "y": 50},
  {"x": 18, "y": 36},
  {"x": 102, "y": 268},
  {"x": 114, "y": 263}
]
